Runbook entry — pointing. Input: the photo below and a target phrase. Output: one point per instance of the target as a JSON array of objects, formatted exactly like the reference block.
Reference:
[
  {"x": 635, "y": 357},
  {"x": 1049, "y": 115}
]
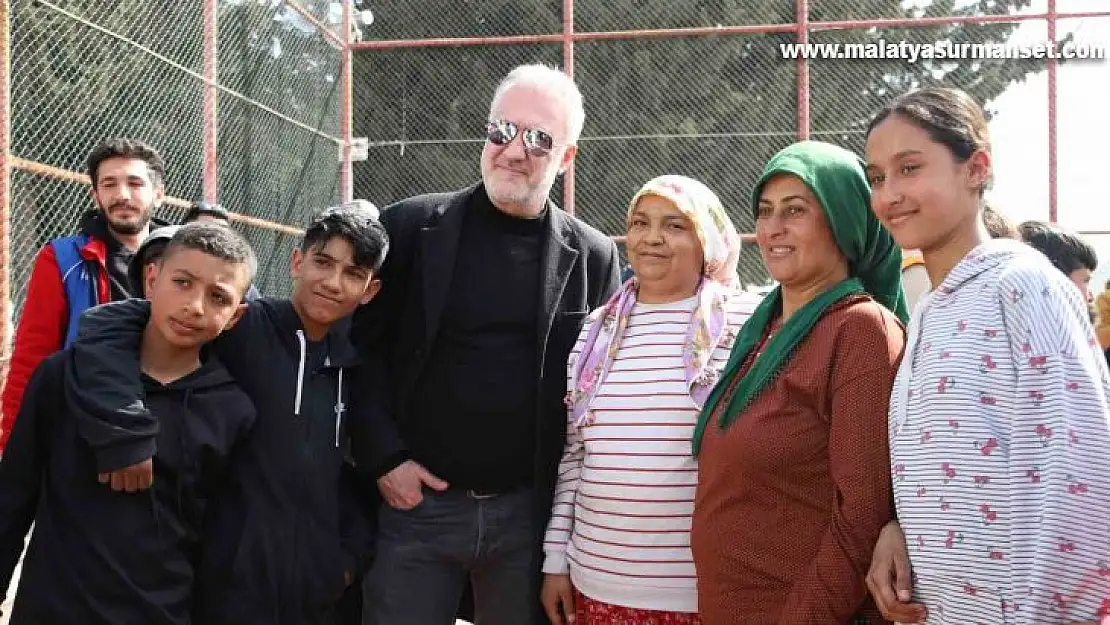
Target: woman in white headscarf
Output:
[{"x": 617, "y": 548}]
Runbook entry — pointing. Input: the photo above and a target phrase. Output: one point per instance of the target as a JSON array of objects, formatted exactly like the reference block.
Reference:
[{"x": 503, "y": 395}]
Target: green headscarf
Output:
[{"x": 837, "y": 180}]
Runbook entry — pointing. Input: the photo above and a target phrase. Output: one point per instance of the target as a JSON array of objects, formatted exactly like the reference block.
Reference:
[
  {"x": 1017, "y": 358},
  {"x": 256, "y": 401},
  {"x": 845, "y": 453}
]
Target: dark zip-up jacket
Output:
[
  {"x": 98, "y": 556},
  {"x": 291, "y": 522}
]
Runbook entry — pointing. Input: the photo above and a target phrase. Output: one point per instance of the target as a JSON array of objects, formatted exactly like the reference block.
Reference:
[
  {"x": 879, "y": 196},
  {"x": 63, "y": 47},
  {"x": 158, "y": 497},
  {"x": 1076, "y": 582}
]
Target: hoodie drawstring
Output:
[
  {"x": 339, "y": 407},
  {"x": 300, "y": 375}
]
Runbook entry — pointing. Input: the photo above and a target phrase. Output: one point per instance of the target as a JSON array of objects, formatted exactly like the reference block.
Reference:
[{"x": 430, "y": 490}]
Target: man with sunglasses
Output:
[{"x": 482, "y": 299}]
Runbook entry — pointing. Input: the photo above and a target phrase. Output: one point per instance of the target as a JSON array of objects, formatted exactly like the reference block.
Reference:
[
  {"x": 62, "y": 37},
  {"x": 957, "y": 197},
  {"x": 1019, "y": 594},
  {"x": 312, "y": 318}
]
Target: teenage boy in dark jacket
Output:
[
  {"x": 291, "y": 533},
  {"x": 101, "y": 556}
]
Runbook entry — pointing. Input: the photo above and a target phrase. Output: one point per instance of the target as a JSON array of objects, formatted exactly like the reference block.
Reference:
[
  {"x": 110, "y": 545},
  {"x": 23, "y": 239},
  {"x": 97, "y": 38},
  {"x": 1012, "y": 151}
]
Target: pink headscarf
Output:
[{"x": 709, "y": 321}]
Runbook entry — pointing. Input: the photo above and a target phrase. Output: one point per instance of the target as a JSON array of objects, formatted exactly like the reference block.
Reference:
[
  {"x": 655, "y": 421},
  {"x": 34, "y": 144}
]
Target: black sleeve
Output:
[
  {"x": 105, "y": 370},
  {"x": 612, "y": 276},
  {"x": 376, "y": 442},
  {"x": 373, "y": 323},
  {"x": 25, "y": 458},
  {"x": 113, "y": 419}
]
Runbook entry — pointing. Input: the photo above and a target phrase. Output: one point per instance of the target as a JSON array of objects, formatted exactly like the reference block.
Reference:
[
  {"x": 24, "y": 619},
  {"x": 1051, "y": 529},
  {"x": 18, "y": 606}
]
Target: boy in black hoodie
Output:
[
  {"x": 290, "y": 534},
  {"x": 101, "y": 556}
]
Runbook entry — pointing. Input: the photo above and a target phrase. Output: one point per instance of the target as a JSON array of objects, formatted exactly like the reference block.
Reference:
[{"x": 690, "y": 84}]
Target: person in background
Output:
[
  {"x": 206, "y": 211},
  {"x": 793, "y": 463},
  {"x": 148, "y": 255},
  {"x": 999, "y": 226},
  {"x": 1102, "y": 323},
  {"x": 74, "y": 273},
  {"x": 1000, "y": 415},
  {"x": 1067, "y": 251},
  {"x": 617, "y": 548},
  {"x": 915, "y": 280}
]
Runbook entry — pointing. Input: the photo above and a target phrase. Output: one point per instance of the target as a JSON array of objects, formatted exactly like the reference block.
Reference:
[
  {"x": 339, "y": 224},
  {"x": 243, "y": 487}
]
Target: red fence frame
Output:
[
  {"x": 801, "y": 27},
  {"x": 6, "y": 313}
]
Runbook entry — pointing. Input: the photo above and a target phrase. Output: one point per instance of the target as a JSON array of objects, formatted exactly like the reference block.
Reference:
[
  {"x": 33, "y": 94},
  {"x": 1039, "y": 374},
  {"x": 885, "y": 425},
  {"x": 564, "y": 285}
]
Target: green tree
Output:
[{"x": 715, "y": 108}]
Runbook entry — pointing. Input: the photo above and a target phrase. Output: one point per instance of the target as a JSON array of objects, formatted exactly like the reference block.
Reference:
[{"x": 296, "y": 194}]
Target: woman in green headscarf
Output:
[{"x": 794, "y": 476}]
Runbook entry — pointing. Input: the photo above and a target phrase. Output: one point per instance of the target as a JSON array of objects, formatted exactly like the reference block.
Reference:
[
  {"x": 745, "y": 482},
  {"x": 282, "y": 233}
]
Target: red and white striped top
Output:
[{"x": 620, "y": 524}]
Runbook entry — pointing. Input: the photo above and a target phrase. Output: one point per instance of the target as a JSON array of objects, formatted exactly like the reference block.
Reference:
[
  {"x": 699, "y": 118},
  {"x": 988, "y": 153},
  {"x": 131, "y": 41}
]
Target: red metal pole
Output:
[
  {"x": 6, "y": 311},
  {"x": 1052, "y": 145},
  {"x": 751, "y": 29},
  {"x": 346, "y": 175},
  {"x": 568, "y": 67},
  {"x": 210, "y": 182},
  {"x": 802, "y": 13}
]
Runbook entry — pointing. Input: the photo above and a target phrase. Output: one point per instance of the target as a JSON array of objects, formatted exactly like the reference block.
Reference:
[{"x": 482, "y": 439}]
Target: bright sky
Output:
[{"x": 1019, "y": 132}]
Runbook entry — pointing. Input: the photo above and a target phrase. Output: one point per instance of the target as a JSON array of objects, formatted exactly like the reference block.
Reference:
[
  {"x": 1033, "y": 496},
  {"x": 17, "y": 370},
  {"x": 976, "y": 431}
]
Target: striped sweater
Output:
[
  {"x": 620, "y": 524},
  {"x": 999, "y": 434}
]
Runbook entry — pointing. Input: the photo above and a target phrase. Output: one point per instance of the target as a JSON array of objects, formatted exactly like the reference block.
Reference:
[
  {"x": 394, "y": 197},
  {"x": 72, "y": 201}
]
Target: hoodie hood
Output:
[
  {"x": 87, "y": 397},
  {"x": 210, "y": 374},
  {"x": 341, "y": 351},
  {"x": 94, "y": 224},
  {"x": 155, "y": 242},
  {"x": 987, "y": 257}
]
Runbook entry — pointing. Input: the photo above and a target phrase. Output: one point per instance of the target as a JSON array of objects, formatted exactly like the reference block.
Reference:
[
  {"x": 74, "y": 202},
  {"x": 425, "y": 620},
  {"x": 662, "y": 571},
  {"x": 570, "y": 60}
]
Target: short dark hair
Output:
[
  {"x": 126, "y": 148},
  {"x": 202, "y": 207},
  {"x": 1066, "y": 250},
  {"x": 357, "y": 222},
  {"x": 951, "y": 117},
  {"x": 998, "y": 225},
  {"x": 215, "y": 240}
]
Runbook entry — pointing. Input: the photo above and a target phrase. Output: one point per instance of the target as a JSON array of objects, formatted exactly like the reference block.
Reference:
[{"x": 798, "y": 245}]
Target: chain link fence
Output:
[
  {"x": 713, "y": 101},
  {"x": 251, "y": 107},
  {"x": 261, "y": 133}
]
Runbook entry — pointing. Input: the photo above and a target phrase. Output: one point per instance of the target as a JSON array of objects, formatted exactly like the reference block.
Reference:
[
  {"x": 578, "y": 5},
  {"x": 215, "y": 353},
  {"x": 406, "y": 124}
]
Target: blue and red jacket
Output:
[{"x": 56, "y": 297}]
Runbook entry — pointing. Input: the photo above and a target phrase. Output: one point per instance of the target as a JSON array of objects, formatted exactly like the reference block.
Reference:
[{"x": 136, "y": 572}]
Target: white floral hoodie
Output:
[{"x": 1000, "y": 446}]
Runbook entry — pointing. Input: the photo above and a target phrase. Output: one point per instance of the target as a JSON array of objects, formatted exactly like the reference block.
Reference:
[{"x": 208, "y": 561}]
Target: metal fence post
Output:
[
  {"x": 346, "y": 177},
  {"x": 1052, "y": 156},
  {"x": 801, "y": 11},
  {"x": 5, "y": 188},
  {"x": 210, "y": 181},
  {"x": 568, "y": 67}
]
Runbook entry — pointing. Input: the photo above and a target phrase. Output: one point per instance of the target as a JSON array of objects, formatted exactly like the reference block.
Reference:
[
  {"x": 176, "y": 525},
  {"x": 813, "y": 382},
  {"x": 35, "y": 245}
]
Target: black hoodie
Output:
[
  {"x": 100, "y": 556},
  {"x": 291, "y": 521}
]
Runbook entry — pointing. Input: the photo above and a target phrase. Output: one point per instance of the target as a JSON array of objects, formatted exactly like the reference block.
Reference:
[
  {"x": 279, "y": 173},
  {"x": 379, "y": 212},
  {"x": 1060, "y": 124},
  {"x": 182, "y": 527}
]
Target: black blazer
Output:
[{"x": 580, "y": 271}]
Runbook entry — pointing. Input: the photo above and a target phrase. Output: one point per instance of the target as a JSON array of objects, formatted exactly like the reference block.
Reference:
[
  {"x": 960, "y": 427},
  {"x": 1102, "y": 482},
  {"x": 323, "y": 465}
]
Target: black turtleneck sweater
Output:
[{"x": 474, "y": 410}]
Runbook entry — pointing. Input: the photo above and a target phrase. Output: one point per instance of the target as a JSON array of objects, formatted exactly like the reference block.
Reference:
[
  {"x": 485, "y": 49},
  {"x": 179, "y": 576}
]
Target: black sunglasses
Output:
[{"x": 537, "y": 143}]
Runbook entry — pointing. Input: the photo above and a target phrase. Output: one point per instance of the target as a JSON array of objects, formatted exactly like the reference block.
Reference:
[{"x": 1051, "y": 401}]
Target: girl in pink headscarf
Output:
[{"x": 617, "y": 549}]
